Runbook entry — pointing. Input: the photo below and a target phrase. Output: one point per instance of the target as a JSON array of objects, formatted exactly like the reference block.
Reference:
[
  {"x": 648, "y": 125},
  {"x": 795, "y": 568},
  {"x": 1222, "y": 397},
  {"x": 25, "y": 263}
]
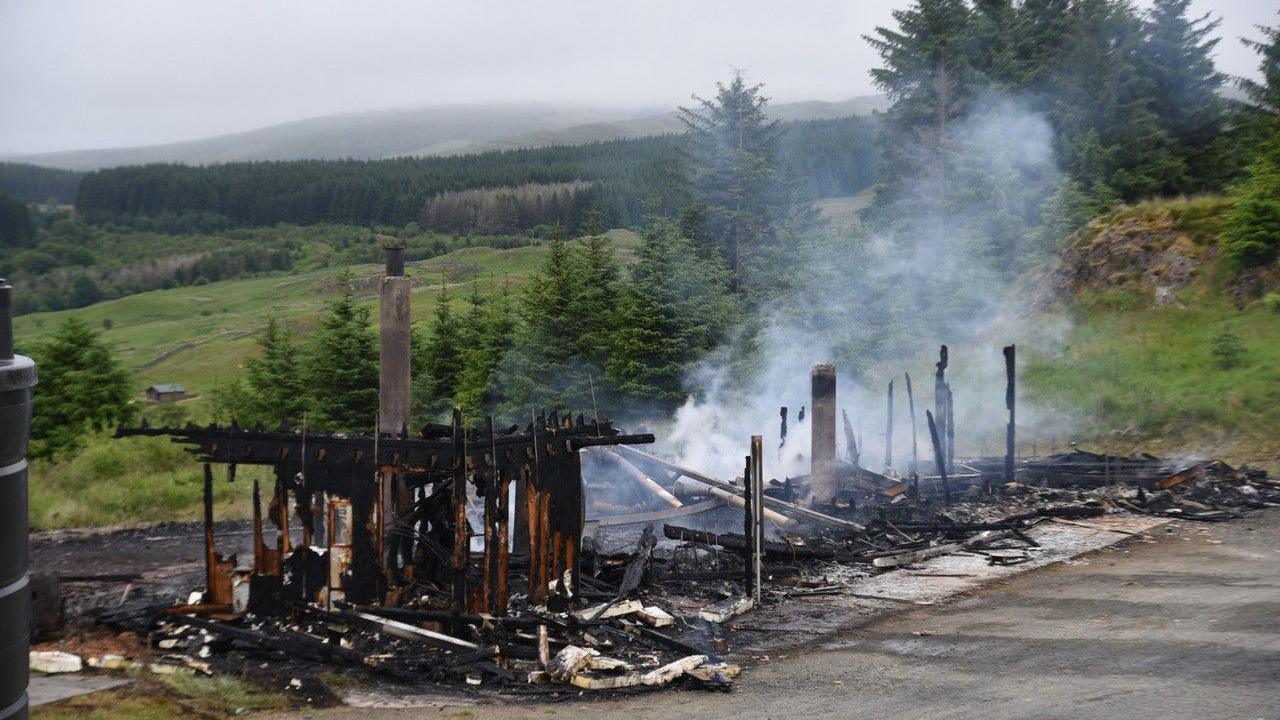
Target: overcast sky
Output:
[{"x": 108, "y": 73}]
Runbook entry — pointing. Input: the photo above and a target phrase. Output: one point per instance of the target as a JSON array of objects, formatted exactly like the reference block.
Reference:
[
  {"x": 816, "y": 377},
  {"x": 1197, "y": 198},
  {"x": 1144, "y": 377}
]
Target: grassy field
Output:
[{"x": 1146, "y": 378}]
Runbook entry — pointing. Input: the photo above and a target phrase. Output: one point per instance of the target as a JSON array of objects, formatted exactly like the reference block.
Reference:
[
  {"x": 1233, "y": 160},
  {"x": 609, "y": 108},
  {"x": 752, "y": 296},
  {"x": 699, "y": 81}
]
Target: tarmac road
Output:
[{"x": 1187, "y": 626}]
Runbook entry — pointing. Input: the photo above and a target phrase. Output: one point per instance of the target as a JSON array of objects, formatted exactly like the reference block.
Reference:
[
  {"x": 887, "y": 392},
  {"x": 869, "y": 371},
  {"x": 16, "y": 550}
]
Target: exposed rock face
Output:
[{"x": 1150, "y": 255}]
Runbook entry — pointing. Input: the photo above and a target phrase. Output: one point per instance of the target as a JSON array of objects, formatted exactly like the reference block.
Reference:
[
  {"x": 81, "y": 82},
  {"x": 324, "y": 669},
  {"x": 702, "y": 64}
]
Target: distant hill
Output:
[
  {"x": 439, "y": 130},
  {"x": 669, "y": 122}
]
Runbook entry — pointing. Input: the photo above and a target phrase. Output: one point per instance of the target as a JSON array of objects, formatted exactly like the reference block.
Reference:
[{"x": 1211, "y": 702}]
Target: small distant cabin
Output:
[{"x": 165, "y": 393}]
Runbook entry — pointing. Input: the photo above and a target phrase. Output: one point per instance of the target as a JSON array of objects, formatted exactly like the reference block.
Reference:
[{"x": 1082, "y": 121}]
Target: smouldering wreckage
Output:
[
  {"x": 391, "y": 573},
  {"x": 479, "y": 555}
]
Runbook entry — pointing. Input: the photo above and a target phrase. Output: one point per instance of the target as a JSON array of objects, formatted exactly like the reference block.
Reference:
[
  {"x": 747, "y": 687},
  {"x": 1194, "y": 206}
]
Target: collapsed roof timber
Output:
[{"x": 366, "y": 554}]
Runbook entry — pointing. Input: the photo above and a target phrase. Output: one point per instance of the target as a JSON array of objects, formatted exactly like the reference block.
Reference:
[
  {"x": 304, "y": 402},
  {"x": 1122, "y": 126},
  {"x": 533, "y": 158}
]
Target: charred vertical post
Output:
[
  {"x": 757, "y": 515},
  {"x": 915, "y": 452},
  {"x": 940, "y": 394},
  {"x": 951, "y": 430},
  {"x": 937, "y": 457},
  {"x": 888, "y": 431},
  {"x": 1009, "y": 398},
  {"x": 748, "y": 527},
  {"x": 17, "y": 380},
  {"x": 850, "y": 440},
  {"x": 494, "y": 591},
  {"x": 822, "y": 475},
  {"x": 783, "y": 433},
  {"x": 461, "y": 537},
  {"x": 217, "y": 572}
]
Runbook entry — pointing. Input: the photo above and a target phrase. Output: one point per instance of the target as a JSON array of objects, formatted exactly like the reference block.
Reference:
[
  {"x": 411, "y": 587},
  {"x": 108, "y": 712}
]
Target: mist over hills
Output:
[{"x": 422, "y": 131}]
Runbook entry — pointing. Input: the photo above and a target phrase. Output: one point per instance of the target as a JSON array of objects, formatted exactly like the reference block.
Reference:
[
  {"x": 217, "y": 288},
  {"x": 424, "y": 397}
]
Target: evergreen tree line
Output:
[
  {"x": 624, "y": 173},
  {"x": 581, "y": 334},
  {"x": 37, "y": 184}
]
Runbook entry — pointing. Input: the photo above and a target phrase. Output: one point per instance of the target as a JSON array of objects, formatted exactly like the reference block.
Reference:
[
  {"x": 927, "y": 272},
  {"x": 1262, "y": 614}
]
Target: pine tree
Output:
[
  {"x": 733, "y": 152},
  {"x": 675, "y": 311},
  {"x": 492, "y": 340},
  {"x": 1102, "y": 105},
  {"x": 1265, "y": 96},
  {"x": 1251, "y": 228},
  {"x": 595, "y": 298},
  {"x": 275, "y": 379},
  {"x": 439, "y": 363},
  {"x": 927, "y": 71},
  {"x": 1178, "y": 59},
  {"x": 82, "y": 387},
  {"x": 341, "y": 361}
]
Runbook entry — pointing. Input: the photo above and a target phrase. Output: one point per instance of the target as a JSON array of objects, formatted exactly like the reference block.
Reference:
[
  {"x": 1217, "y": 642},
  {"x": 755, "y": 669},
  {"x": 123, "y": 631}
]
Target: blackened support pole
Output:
[
  {"x": 951, "y": 430},
  {"x": 915, "y": 452},
  {"x": 940, "y": 395},
  {"x": 850, "y": 441},
  {"x": 937, "y": 457},
  {"x": 888, "y": 431},
  {"x": 461, "y": 537},
  {"x": 748, "y": 527},
  {"x": 1009, "y": 402},
  {"x": 757, "y": 515}
]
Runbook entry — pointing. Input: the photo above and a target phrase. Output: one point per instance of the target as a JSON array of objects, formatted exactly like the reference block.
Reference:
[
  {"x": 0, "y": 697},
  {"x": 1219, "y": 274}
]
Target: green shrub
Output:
[
  {"x": 1271, "y": 301},
  {"x": 1253, "y": 230},
  {"x": 1227, "y": 348}
]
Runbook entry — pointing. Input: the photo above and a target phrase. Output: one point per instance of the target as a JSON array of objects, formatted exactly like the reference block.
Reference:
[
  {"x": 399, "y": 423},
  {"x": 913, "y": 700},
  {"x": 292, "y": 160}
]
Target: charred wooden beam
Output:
[
  {"x": 937, "y": 457},
  {"x": 850, "y": 441},
  {"x": 888, "y": 430},
  {"x": 1009, "y": 398},
  {"x": 915, "y": 453}
]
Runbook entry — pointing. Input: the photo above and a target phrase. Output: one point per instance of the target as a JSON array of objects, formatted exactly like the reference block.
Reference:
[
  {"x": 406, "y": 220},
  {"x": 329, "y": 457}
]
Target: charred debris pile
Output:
[
  {"x": 490, "y": 557},
  {"x": 557, "y": 556}
]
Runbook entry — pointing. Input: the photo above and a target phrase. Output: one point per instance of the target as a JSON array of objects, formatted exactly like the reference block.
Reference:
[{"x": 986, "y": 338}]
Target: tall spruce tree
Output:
[
  {"x": 342, "y": 366},
  {"x": 275, "y": 379},
  {"x": 82, "y": 387},
  {"x": 927, "y": 72},
  {"x": 675, "y": 311},
  {"x": 1178, "y": 59},
  {"x": 492, "y": 331},
  {"x": 732, "y": 146},
  {"x": 439, "y": 363},
  {"x": 1264, "y": 95},
  {"x": 1109, "y": 138}
]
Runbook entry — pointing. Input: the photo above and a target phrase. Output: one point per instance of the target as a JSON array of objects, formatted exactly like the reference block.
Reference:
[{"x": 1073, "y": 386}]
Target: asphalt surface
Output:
[{"x": 1183, "y": 626}]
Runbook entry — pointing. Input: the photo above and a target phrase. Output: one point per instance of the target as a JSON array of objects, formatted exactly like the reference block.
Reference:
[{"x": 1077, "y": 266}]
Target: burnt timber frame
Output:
[{"x": 435, "y": 538}]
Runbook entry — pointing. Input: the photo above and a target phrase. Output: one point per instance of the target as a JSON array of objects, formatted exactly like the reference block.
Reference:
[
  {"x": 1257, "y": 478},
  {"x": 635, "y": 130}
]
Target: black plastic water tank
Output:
[{"x": 17, "y": 379}]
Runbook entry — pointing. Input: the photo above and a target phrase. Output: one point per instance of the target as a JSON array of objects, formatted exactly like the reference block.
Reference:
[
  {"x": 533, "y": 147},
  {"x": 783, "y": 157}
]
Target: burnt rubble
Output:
[
  {"x": 556, "y": 557},
  {"x": 559, "y": 605}
]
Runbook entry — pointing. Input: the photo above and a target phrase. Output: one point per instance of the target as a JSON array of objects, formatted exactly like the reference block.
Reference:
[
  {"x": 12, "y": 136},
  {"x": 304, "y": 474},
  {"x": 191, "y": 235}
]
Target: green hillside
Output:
[{"x": 1170, "y": 347}]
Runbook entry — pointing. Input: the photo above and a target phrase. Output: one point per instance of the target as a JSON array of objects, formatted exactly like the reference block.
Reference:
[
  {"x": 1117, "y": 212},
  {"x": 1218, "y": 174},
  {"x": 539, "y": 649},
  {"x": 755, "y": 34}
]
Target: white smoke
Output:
[{"x": 879, "y": 306}]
